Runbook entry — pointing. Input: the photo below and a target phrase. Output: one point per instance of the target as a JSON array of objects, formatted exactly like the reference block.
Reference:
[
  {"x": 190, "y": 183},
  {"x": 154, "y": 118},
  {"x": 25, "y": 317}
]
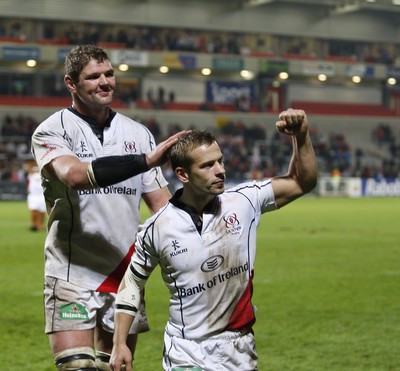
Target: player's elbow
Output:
[
  {"x": 70, "y": 171},
  {"x": 307, "y": 185},
  {"x": 75, "y": 180}
]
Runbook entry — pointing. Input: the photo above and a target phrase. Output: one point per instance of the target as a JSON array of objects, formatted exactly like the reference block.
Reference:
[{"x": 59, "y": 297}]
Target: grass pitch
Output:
[{"x": 326, "y": 288}]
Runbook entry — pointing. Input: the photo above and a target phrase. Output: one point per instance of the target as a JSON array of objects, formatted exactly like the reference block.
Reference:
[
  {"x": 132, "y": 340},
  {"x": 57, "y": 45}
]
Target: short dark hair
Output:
[
  {"x": 180, "y": 153},
  {"x": 78, "y": 58}
]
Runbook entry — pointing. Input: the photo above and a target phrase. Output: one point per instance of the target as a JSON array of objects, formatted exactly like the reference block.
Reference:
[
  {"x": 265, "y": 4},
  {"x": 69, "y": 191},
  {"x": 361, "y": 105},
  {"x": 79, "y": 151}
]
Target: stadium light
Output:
[
  {"x": 164, "y": 69},
  {"x": 283, "y": 75},
  {"x": 31, "y": 63},
  {"x": 246, "y": 74}
]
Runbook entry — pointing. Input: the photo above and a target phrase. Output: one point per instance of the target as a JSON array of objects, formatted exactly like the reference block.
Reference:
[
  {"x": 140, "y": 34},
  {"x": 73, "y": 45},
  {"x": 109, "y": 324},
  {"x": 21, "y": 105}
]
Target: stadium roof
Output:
[{"x": 334, "y": 7}]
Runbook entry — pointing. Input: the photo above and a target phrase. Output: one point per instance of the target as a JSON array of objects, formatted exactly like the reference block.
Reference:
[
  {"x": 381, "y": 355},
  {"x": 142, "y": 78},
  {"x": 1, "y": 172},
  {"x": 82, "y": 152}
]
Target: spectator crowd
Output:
[
  {"x": 247, "y": 149},
  {"x": 192, "y": 40}
]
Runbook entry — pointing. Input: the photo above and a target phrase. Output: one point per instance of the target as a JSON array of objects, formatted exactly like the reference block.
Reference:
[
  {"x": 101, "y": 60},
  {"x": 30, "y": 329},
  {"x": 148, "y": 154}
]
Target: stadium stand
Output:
[{"x": 338, "y": 146}]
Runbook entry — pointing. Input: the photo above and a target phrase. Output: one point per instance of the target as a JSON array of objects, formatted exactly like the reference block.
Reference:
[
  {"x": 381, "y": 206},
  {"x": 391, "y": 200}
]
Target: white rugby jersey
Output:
[
  {"x": 91, "y": 233},
  {"x": 209, "y": 272}
]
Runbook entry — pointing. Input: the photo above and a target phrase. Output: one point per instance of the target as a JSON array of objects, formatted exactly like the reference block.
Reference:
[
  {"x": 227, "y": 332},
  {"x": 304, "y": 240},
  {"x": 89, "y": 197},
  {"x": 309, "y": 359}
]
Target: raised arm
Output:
[{"x": 301, "y": 177}]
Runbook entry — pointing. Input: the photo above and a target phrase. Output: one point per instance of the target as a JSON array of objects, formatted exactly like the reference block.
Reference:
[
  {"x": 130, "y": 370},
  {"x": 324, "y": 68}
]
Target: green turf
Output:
[{"x": 327, "y": 289}]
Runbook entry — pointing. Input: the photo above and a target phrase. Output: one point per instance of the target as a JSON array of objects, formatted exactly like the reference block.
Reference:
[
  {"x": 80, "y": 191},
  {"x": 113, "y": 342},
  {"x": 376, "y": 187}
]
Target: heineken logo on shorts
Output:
[{"x": 73, "y": 311}]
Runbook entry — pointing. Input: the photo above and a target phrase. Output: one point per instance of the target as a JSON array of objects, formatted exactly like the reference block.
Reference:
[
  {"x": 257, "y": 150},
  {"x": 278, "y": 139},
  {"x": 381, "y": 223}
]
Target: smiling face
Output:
[{"x": 95, "y": 87}]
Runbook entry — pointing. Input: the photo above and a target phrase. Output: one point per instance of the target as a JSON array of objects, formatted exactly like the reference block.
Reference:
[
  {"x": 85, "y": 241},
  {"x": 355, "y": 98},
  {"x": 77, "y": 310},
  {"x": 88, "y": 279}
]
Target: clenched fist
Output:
[{"x": 292, "y": 122}]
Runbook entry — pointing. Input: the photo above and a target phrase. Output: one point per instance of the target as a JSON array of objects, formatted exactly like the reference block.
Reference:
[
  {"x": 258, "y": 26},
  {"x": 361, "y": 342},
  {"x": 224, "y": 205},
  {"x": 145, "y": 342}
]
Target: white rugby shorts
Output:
[
  {"x": 70, "y": 307},
  {"x": 228, "y": 351}
]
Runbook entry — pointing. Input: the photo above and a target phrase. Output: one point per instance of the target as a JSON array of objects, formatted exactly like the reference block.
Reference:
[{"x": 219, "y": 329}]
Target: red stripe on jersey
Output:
[
  {"x": 111, "y": 283},
  {"x": 243, "y": 318}
]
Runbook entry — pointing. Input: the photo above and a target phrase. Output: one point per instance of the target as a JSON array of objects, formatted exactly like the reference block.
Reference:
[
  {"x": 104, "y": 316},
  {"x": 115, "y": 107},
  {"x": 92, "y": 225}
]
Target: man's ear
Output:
[
  {"x": 69, "y": 83},
  {"x": 182, "y": 174}
]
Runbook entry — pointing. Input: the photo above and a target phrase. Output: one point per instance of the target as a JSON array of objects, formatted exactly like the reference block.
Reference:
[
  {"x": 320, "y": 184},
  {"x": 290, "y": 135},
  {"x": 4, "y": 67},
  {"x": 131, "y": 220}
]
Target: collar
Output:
[
  {"x": 197, "y": 219},
  {"x": 97, "y": 129}
]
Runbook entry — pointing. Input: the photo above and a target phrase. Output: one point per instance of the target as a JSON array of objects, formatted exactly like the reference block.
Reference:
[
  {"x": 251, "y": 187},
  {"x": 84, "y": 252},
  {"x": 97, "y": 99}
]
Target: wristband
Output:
[
  {"x": 128, "y": 299},
  {"x": 109, "y": 170}
]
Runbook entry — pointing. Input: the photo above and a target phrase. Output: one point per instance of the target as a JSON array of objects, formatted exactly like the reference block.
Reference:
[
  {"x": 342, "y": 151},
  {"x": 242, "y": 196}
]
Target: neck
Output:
[
  {"x": 99, "y": 115},
  {"x": 196, "y": 202}
]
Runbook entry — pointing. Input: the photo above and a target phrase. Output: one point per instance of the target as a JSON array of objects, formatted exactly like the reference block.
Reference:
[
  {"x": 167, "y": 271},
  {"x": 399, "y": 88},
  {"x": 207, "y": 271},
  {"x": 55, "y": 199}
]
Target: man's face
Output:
[
  {"x": 96, "y": 84},
  {"x": 207, "y": 173}
]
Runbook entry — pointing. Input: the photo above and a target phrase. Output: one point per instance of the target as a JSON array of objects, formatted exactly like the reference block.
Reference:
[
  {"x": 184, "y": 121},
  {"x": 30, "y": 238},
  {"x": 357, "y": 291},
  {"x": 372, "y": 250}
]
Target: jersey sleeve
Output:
[
  {"x": 266, "y": 196},
  {"x": 145, "y": 254},
  {"x": 50, "y": 141},
  {"x": 259, "y": 193}
]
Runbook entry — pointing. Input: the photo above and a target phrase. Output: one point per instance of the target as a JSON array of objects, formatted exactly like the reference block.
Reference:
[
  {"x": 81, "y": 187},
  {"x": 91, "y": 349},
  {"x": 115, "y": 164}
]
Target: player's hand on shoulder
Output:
[{"x": 292, "y": 122}]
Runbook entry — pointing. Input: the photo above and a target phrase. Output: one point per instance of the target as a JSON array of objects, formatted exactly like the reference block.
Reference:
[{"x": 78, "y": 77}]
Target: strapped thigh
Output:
[
  {"x": 102, "y": 360},
  {"x": 76, "y": 359}
]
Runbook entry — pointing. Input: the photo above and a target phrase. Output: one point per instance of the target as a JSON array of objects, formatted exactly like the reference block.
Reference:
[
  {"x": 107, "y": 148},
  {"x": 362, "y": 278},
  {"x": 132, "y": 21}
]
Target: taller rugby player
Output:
[{"x": 96, "y": 166}]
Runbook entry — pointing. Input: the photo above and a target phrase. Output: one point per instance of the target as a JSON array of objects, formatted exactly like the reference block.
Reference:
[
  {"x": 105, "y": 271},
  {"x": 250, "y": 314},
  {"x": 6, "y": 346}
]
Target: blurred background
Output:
[{"x": 226, "y": 65}]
